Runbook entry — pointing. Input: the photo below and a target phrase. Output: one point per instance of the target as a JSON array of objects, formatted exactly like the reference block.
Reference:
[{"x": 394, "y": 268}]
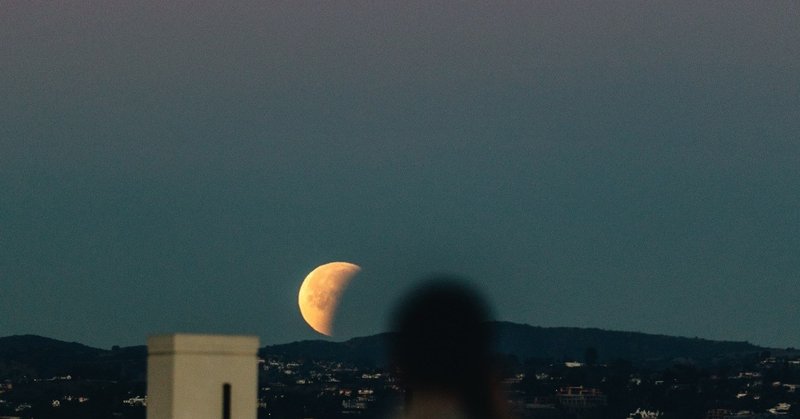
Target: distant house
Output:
[{"x": 580, "y": 398}]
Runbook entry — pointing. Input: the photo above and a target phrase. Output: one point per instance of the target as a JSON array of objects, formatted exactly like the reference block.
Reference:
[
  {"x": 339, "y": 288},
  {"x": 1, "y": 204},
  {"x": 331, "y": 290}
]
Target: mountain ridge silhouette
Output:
[{"x": 40, "y": 357}]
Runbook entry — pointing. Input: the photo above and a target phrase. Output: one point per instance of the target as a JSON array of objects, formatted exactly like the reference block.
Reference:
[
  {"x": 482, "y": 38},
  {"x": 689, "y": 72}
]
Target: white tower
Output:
[{"x": 202, "y": 377}]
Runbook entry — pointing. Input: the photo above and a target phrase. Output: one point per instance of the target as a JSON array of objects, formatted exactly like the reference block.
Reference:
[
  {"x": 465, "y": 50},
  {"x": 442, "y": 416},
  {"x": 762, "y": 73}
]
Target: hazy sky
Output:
[{"x": 181, "y": 166}]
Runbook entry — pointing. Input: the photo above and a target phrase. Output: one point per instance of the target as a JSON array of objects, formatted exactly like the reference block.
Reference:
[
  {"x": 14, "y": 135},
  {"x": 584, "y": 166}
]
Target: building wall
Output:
[{"x": 186, "y": 375}]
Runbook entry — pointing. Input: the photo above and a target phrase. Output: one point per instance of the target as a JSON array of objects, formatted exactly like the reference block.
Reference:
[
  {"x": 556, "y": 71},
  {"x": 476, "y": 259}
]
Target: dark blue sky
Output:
[{"x": 182, "y": 166}]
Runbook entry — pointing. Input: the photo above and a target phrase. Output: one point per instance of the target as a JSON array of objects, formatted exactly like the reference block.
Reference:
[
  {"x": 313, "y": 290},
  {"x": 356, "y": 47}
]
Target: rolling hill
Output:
[{"x": 39, "y": 357}]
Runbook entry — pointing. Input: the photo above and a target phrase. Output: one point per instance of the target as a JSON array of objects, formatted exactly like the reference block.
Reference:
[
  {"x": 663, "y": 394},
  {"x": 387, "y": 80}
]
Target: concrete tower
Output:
[{"x": 202, "y": 377}]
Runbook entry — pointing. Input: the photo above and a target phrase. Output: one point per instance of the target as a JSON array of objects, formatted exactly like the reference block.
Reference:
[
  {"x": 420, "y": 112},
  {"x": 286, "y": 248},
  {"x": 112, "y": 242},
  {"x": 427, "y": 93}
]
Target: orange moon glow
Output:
[{"x": 321, "y": 293}]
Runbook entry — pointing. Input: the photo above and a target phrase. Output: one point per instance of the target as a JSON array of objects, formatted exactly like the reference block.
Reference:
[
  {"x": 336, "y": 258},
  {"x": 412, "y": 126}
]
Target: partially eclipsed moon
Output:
[{"x": 321, "y": 293}]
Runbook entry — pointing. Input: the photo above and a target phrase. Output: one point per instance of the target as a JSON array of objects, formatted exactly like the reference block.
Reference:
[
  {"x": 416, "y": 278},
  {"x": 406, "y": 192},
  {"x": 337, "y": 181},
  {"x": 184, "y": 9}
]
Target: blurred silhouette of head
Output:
[{"x": 441, "y": 344}]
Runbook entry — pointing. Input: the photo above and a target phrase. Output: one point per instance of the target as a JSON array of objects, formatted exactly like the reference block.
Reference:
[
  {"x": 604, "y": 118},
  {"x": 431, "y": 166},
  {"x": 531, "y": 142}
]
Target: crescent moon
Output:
[{"x": 321, "y": 293}]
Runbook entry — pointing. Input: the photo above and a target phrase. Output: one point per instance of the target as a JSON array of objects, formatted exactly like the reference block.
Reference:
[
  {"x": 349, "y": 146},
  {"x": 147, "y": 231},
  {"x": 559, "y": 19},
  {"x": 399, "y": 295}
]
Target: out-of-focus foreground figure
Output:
[{"x": 441, "y": 351}]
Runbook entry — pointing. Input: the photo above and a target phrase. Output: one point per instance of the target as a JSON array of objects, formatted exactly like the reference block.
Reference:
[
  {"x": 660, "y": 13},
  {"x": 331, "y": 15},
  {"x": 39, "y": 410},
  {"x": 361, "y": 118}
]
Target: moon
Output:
[{"x": 321, "y": 293}]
